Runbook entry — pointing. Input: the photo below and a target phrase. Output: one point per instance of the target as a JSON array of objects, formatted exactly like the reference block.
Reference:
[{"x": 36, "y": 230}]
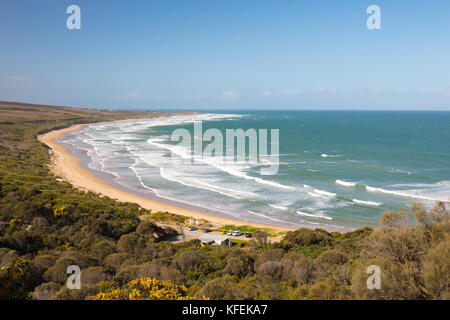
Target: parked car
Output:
[
  {"x": 230, "y": 233},
  {"x": 237, "y": 233},
  {"x": 192, "y": 228},
  {"x": 223, "y": 232},
  {"x": 206, "y": 230},
  {"x": 248, "y": 235}
]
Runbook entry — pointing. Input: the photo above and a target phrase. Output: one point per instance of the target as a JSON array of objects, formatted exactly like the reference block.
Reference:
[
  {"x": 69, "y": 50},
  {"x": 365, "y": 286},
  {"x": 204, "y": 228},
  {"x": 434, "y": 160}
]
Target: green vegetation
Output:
[
  {"x": 247, "y": 229},
  {"x": 240, "y": 242},
  {"x": 166, "y": 218},
  {"x": 47, "y": 225},
  {"x": 146, "y": 289}
]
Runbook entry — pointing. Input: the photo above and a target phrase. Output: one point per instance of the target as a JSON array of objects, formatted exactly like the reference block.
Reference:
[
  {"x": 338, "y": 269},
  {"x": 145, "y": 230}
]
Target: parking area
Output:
[{"x": 186, "y": 235}]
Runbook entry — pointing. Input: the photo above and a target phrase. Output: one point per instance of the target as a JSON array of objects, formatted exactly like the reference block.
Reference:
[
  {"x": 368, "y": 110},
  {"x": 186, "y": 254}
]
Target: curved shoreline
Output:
[{"x": 67, "y": 166}]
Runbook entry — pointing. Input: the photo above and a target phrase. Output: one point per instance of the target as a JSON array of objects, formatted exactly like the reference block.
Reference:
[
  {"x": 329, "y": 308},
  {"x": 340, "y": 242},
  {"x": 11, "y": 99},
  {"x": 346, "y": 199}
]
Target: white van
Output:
[{"x": 236, "y": 233}]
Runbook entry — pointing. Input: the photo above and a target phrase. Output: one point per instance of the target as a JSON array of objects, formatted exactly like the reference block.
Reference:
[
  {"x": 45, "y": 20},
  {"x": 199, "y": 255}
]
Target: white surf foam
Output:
[
  {"x": 324, "y": 155},
  {"x": 345, "y": 183},
  {"x": 312, "y": 194},
  {"x": 279, "y": 207},
  {"x": 219, "y": 163},
  {"x": 194, "y": 185},
  {"x": 175, "y": 149},
  {"x": 409, "y": 194},
  {"x": 138, "y": 176},
  {"x": 237, "y": 173},
  {"x": 325, "y": 193},
  {"x": 313, "y": 215},
  {"x": 369, "y": 203}
]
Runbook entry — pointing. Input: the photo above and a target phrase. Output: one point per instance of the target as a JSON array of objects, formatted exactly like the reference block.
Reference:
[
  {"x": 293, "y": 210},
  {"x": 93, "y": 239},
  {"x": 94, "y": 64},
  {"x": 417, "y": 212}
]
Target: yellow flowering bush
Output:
[
  {"x": 62, "y": 211},
  {"x": 147, "y": 289},
  {"x": 13, "y": 223}
]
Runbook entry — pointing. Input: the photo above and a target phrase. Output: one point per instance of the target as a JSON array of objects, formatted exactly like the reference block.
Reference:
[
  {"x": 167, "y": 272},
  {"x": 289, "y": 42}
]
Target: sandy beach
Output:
[{"x": 68, "y": 167}]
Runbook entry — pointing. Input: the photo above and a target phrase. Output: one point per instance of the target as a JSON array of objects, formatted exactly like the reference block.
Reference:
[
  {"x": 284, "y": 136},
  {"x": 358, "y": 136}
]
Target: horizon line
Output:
[{"x": 310, "y": 108}]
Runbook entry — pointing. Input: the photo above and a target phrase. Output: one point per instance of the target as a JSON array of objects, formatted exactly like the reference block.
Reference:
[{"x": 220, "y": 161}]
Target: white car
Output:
[{"x": 236, "y": 233}]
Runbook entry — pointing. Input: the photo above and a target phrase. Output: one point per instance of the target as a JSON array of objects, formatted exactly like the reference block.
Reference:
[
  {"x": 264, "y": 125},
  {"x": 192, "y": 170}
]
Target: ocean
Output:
[{"x": 338, "y": 170}]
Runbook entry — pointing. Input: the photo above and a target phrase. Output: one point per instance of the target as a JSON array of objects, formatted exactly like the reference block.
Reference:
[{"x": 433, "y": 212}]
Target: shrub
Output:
[
  {"x": 103, "y": 249},
  {"x": 221, "y": 289},
  {"x": 307, "y": 237},
  {"x": 92, "y": 275},
  {"x": 190, "y": 260},
  {"x": 41, "y": 263},
  {"x": 86, "y": 292},
  {"x": 114, "y": 260},
  {"x": 270, "y": 255},
  {"x": 9, "y": 257},
  {"x": 271, "y": 269},
  {"x": 127, "y": 274},
  {"x": 14, "y": 280},
  {"x": 303, "y": 271},
  {"x": 150, "y": 270},
  {"x": 39, "y": 223},
  {"x": 332, "y": 257},
  {"x": 436, "y": 271},
  {"x": 237, "y": 267},
  {"x": 131, "y": 243},
  {"x": 147, "y": 228},
  {"x": 58, "y": 272},
  {"x": 328, "y": 289},
  {"x": 46, "y": 291},
  {"x": 146, "y": 289}
]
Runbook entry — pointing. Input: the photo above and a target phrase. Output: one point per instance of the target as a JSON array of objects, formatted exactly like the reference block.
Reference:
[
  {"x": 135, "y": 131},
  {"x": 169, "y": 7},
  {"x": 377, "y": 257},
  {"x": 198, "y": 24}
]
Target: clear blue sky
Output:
[{"x": 227, "y": 54}]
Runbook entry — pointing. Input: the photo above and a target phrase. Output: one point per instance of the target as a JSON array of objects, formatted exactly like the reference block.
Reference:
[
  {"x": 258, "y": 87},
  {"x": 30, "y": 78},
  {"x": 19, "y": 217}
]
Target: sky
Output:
[{"x": 227, "y": 54}]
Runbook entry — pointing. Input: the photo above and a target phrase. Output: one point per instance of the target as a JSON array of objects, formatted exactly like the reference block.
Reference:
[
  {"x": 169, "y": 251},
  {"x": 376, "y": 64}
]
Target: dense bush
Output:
[
  {"x": 46, "y": 291},
  {"x": 102, "y": 249},
  {"x": 114, "y": 261},
  {"x": 306, "y": 237},
  {"x": 131, "y": 243},
  {"x": 190, "y": 261},
  {"x": 332, "y": 257},
  {"x": 221, "y": 289},
  {"x": 146, "y": 289},
  {"x": 273, "y": 270}
]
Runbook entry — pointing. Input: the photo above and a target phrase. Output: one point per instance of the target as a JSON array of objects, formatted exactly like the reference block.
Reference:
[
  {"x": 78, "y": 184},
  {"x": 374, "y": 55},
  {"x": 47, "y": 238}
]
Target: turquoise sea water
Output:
[{"x": 337, "y": 169}]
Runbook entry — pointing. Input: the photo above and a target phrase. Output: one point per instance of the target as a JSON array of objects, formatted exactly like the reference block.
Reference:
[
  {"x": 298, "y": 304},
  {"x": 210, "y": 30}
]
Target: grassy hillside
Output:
[
  {"x": 13, "y": 112},
  {"x": 47, "y": 225}
]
